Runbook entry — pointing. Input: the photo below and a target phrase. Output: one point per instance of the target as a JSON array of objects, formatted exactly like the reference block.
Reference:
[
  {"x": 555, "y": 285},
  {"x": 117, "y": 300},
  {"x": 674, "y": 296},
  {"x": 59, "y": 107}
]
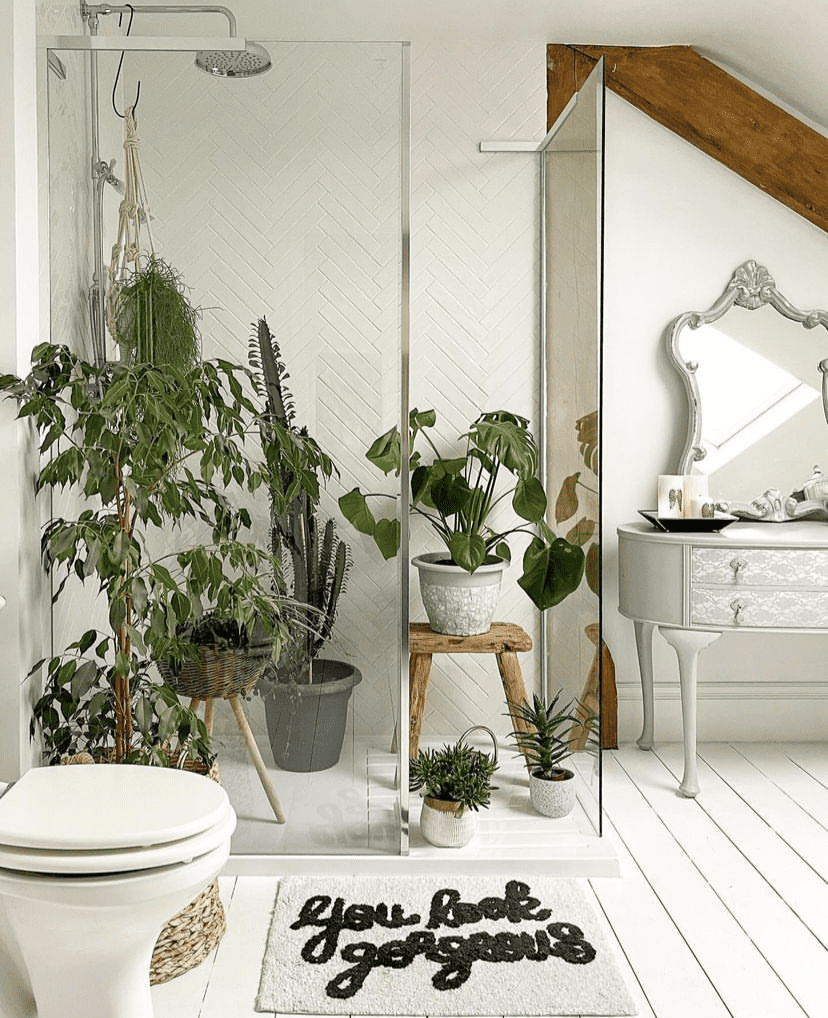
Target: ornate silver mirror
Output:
[{"x": 755, "y": 369}]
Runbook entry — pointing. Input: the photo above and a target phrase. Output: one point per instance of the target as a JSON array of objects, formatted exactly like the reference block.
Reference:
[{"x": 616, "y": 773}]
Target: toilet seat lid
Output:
[{"x": 104, "y": 806}]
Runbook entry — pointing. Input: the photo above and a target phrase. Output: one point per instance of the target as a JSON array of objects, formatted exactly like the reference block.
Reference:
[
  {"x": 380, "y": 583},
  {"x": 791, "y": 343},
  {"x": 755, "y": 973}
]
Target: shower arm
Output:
[{"x": 91, "y": 12}]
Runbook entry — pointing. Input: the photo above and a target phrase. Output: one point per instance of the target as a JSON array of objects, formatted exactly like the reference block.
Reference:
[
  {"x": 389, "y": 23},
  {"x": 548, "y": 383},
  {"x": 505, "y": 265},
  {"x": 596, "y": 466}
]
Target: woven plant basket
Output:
[
  {"x": 218, "y": 673},
  {"x": 191, "y": 934}
]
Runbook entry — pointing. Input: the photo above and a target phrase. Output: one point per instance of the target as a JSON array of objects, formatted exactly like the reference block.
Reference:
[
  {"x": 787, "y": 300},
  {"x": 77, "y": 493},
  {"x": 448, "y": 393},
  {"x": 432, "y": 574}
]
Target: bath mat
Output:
[{"x": 438, "y": 945}]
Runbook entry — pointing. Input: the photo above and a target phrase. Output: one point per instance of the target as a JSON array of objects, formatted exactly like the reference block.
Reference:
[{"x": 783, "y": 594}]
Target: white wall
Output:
[
  {"x": 19, "y": 312},
  {"x": 677, "y": 225}
]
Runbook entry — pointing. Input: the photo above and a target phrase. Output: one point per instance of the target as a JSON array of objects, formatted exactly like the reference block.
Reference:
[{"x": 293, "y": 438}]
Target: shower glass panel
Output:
[
  {"x": 277, "y": 196},
  {"x": 573, "y": 171}
]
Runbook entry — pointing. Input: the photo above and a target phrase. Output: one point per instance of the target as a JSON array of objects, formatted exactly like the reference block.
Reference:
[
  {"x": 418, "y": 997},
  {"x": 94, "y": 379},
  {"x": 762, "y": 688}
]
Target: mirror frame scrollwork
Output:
[{"x": 750, "y": 287}]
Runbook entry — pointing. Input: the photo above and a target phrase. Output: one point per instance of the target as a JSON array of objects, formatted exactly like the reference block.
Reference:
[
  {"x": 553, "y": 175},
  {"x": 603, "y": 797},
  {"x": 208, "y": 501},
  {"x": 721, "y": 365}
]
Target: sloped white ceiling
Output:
[{"x": 778, "y": 47}]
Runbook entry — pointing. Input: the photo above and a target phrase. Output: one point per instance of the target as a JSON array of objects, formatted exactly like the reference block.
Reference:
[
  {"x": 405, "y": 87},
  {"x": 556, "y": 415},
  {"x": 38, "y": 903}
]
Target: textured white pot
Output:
[
  {"x": 555, "y": 798},
  {"x": 458, "y": 603},
  {"x": 443, "y": 827}
]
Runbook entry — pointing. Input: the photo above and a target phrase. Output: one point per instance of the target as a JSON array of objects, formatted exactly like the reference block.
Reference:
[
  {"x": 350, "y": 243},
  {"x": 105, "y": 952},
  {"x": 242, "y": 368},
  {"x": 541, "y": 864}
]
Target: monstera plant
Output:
[{"x": 460, "y": 496}]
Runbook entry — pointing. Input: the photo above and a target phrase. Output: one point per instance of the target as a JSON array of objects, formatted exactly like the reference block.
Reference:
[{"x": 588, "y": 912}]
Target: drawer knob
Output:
[
  {"x": 737, "y": 606},
  {"x": 737, "y": 565}
]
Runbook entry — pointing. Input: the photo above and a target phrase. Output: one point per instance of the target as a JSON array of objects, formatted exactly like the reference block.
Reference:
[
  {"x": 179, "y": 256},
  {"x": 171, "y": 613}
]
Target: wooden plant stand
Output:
[
  {"x": 504, "y": 639},
  {"x": 244, "y": 727}
]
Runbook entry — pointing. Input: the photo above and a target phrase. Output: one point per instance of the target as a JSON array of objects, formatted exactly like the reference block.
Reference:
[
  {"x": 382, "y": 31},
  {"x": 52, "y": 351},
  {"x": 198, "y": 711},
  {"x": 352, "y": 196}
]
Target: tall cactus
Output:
[{"x": 319, "y": 560}]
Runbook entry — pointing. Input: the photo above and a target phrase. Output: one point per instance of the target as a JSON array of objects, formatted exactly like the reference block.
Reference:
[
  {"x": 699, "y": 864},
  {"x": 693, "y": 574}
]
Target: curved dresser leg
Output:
[
  {"x": 644, "y": 646},
  {"x": 688, "y": 644}
]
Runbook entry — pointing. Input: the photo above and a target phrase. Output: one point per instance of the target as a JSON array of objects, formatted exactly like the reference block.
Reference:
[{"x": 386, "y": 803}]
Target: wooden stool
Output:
[
  {"x": 503, "y": 639},
  {"x": 244, "y": 727}
]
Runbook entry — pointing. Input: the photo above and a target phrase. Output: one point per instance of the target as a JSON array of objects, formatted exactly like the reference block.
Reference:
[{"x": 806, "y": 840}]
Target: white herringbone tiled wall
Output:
[
  {"x": 475, "y": 297},
  {"x": 279, "y": 195}
]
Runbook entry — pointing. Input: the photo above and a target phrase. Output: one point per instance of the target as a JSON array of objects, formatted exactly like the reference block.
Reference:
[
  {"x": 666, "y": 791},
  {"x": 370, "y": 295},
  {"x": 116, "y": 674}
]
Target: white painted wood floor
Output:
[{"x": 722, "y": 909}]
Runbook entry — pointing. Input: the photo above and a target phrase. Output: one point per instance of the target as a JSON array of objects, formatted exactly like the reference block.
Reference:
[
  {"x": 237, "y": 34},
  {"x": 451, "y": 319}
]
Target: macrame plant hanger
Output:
[{"x": 133, "y": 220}]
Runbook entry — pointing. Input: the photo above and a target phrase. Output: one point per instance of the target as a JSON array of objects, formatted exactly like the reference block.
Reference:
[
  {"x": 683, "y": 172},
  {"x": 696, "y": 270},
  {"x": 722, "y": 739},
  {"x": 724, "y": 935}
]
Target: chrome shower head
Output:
[{"x": 229, "y": 64}]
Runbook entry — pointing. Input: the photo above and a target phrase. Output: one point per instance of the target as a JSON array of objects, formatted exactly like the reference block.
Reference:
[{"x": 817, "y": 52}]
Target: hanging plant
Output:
[{"x": 153, "y": 320}]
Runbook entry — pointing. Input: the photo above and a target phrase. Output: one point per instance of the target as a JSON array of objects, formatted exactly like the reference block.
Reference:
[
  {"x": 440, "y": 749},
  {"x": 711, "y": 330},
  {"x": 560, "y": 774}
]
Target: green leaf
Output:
[
  {"x": 529, "y": 500},
  {"x": 387, "y": 537},
  {"x": 451, "y": 494},
  {"x": 593, "y": 568},
  {"x": 506, "y": 437},
  {"x": 356, "y": 512},
  {"x": 551, "y": 572},
  {"x": 467, "y": 550},
  {"x": 385, "y": 452},
  {"x": 84, "y": 679},
  {"x": 180, "y": 605},
  {"x": 139, "y": 595},
  {"x": 420, "y": 480},
  {"x": 503, "y": 551},
  {"x": 419, "y": 419}
]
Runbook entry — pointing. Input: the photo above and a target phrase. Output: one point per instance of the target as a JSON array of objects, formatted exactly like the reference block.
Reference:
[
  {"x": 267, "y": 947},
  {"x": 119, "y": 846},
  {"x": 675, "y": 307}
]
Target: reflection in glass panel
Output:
[
  {"x": 277, "y": 197},
  {"x": 574, "y": 168}
]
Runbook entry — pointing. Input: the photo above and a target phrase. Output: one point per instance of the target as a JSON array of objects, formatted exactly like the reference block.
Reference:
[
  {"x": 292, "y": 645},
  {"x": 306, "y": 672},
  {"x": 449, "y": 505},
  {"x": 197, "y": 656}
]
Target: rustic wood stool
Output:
[{"x": 504, "y": 640}]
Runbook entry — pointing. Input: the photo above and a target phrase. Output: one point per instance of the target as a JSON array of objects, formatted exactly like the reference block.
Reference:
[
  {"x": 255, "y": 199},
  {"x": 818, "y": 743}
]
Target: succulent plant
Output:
[
  {"x": 454, "y": 773},
  {"x": 547, "y": 742},
  {"x": 316, "y": 561}
]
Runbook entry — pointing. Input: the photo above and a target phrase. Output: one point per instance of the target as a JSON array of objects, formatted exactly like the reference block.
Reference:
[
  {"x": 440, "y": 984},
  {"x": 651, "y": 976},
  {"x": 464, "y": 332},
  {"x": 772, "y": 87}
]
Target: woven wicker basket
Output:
[
  {"x": 191, "y": 934},
  {"x": 218, "y": 673}
]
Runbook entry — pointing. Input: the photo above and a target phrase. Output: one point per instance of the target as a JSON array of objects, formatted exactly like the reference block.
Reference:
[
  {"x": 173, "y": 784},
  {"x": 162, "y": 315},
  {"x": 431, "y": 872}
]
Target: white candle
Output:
[{"x": 697, "y": 501}]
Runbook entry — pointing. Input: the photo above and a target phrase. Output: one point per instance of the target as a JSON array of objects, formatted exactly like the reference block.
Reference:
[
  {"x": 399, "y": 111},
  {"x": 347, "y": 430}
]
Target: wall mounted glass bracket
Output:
[
  {"x": 533, "y": 147},
  {"x": 538, "y": 148}
]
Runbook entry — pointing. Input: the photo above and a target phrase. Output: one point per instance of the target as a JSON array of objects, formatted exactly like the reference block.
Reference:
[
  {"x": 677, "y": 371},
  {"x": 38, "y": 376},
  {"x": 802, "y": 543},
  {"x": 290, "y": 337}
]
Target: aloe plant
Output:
[
  {"x": 545, "y": 741},
  {"x": 319, "y": 561}
]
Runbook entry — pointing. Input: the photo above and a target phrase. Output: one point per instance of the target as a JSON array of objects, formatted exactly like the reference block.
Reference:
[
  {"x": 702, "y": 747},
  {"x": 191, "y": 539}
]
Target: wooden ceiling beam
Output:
[{"x": 711, "y": 109}]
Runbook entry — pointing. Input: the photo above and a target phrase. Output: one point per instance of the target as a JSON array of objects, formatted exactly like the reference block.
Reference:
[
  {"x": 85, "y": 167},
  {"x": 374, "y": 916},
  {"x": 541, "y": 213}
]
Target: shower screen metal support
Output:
[
  {"x": 102, "y": 171},
  {"x": 538, "y": 148}
]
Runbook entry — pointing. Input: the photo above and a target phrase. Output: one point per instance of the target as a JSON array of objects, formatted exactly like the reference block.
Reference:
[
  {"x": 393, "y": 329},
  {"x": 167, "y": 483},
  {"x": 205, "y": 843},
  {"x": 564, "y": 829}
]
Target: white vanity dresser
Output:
[
  {"x": 750, "y": 577},
  {"x": 754, "y": 367}
]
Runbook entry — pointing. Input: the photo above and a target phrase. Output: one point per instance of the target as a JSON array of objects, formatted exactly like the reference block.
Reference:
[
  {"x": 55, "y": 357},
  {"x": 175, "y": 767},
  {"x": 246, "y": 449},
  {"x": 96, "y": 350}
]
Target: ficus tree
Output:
[{"x": 152, "y": 455}]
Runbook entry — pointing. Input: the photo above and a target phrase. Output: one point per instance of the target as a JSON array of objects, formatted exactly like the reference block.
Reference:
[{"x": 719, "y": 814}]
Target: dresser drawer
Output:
[
  {"x": 766, "y": 567},
  {"x": 756, "y": 608}
]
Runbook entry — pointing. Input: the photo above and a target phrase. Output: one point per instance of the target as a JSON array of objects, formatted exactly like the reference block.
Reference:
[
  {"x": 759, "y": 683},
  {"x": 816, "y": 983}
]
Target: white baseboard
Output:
[{"x": 776, "y": 712}]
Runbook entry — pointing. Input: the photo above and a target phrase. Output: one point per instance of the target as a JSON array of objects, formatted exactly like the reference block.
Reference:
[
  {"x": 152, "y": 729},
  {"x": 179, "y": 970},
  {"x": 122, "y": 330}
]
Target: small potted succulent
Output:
[
  {"x": 457, "y": 494},
  {"x": 457, "y": 781},
  {"x": 546, "y": 740}
]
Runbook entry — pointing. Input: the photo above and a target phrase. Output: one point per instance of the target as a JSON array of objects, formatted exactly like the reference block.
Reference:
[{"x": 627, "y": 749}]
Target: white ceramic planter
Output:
[
  {"x": 443, "y": 827},
  {"x": 458, "y": 603},
  {"x": 554, "y": 798}
]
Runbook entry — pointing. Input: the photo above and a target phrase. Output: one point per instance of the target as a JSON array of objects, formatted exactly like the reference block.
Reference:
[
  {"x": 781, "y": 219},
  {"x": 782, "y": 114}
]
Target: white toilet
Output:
[{"x": 94, "y": 859}]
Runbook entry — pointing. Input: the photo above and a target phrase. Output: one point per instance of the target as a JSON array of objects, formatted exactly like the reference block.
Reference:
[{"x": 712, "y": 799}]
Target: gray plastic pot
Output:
[{"x": 306, "y": 722}]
